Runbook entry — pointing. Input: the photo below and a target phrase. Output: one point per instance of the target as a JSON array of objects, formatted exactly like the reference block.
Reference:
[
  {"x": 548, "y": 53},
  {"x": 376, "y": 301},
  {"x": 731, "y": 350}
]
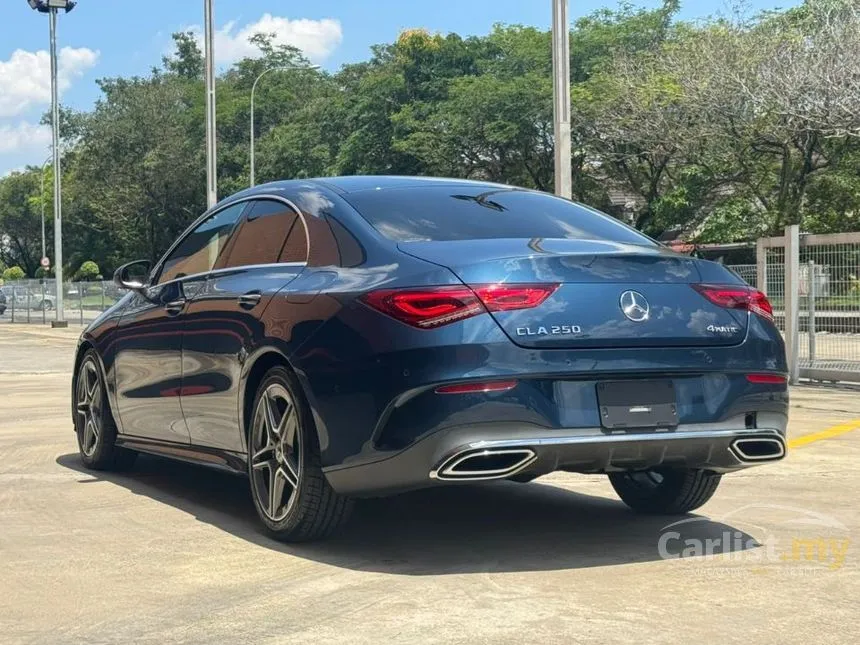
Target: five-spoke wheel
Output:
[
  {"x": 276, "y": 456},
  {"x": 89, "y": 402},
  {"x": 94, "y": 422},
  {"x": 290, "y": 491}
]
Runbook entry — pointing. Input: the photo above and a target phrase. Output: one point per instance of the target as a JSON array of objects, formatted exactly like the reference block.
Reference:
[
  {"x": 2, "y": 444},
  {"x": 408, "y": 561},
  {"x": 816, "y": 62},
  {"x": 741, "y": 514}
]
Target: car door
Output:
[
  {"x": 148, "y": 342},
  {"x": 268, "y": 251}
]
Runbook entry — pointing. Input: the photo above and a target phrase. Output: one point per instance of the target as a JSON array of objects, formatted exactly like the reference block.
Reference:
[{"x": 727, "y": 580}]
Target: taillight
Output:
[
  {"x": 431, "y": 307},
  {"x": 426, "y": 308},
  {"x": 508, "y": 297},
  {"x": 737, "y": 297}
]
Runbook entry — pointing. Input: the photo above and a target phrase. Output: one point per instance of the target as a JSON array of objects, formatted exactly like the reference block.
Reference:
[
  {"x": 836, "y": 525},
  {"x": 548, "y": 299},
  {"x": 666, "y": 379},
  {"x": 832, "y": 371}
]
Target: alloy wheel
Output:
[
  {"x": 89, "y": 406},
  {"x": 276, "y": 455}
]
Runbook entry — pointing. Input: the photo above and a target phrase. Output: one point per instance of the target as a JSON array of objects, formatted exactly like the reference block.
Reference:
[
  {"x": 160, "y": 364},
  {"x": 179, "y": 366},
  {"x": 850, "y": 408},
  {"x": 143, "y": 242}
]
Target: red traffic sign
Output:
[{"x": 45, "y": 262}]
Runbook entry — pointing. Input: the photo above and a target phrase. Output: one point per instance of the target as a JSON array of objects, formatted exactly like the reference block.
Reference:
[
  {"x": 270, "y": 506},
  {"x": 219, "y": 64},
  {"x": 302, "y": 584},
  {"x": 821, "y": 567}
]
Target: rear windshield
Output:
[{"x": 444, "y": 213}]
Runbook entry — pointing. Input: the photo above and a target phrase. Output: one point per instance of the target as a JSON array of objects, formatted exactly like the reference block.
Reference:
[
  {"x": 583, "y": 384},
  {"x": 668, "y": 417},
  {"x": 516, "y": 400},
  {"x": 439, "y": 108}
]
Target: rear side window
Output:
[
  {"x": 264, "y": 234},
  {"x": 444, "y": 213},
  {"x": 295, "y": 249}
]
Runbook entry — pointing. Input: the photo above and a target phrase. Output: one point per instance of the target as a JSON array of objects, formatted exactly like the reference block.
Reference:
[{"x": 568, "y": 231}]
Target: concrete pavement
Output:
[{"x": 171, "y": 553}]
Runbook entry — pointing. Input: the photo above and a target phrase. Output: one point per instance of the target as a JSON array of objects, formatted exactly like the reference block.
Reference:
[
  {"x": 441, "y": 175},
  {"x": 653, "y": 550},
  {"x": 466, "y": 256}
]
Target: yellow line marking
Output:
[{"x": 835, "y": 431}]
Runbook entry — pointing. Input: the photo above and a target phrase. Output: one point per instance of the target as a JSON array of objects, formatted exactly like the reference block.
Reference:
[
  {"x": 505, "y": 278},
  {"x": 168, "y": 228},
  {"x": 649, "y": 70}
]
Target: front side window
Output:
[
  {"x": 264, "y": 234},
  {"x": 199, "y": 250}
]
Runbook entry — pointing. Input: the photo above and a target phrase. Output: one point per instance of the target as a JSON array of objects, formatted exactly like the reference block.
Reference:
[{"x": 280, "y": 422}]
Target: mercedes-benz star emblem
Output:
[{"x": 635, "y": 306}]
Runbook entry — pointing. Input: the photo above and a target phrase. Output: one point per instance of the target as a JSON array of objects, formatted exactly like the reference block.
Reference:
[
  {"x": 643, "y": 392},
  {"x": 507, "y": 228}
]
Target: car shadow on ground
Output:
[{"x": 480, "y": 528}]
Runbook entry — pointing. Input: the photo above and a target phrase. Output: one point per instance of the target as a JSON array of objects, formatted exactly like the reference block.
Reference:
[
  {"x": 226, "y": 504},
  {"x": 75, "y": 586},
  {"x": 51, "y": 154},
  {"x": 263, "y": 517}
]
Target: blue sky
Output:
[{"x": 114, "y": 37}]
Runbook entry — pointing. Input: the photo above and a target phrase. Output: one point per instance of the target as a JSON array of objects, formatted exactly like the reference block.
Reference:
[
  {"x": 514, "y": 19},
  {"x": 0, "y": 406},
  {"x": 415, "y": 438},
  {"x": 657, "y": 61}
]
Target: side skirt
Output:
[{"x": 232, "y": 462}]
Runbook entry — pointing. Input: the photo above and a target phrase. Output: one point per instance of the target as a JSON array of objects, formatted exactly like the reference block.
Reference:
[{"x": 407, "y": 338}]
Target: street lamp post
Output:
[
  {"x": 51, "y": 7},
  {"x": 253, "y": 92},
  {"x": 561, "y": 98},
  {"x": 211, "y": 132}
]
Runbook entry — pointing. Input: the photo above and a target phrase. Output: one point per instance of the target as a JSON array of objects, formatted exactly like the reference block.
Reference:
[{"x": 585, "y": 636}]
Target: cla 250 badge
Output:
[{"x": 553, "y": 330}]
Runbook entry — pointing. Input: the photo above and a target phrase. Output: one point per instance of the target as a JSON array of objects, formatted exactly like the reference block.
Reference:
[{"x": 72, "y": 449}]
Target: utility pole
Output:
[
  {"x": 211, "y": 142},
  {"x": 561, "y": 98},
  {"x": 58, "y": 195}
]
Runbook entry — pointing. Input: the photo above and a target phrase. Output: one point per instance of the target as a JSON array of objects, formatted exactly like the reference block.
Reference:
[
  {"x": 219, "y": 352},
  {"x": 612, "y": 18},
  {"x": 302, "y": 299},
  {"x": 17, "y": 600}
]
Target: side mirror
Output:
[{"x": 133, "y": 276}]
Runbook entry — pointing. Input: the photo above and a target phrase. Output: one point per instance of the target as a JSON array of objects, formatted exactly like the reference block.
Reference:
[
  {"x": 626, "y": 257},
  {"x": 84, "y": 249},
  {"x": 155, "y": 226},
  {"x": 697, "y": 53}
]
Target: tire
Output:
[
  {"x": 94, "y": 424},
  {"x": 665, "y": 491},
  {"x": 46, "y": 305},
  {"x": 290, "y": 492}
]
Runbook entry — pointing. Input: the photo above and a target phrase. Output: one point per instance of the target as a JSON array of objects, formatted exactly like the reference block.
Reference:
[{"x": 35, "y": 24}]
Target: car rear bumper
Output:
[{"x": 470, "y": 453}]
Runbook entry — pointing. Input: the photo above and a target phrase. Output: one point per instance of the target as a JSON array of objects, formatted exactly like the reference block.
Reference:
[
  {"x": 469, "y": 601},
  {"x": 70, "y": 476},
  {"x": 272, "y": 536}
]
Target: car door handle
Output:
[
  {"x": 250, "y": 300},
  {"x": 175, "y": 307}
]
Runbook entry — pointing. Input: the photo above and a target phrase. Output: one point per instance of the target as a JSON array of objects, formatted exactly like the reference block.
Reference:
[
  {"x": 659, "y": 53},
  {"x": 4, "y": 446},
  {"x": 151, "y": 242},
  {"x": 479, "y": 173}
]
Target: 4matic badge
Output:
[{"x": 723, "y": 329}]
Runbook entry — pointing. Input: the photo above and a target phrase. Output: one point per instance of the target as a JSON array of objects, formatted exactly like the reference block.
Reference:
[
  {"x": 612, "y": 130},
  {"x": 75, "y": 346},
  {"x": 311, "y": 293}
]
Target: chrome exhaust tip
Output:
[
  {"x": 477, "y": 464},
  {"x": 757, "y": 449}
]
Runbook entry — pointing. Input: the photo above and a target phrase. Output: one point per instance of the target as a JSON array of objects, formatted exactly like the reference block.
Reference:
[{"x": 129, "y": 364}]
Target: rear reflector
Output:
[
  {"x": 471, "y": 388},
  {"x": 737, "y": 297},
  {"x": 436, "y": 306},
  {"x": 767, "y": 378}
]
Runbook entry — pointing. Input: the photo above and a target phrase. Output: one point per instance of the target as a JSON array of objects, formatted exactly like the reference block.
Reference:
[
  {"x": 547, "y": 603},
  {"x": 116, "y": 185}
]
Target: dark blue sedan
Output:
[{"x": 361, "y": 336}]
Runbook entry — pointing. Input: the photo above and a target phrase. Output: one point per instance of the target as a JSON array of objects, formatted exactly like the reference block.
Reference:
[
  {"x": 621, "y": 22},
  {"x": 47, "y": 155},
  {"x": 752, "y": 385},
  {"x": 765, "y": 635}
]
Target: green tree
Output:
[
  {"x": 20, "y": 220},
  {"x": 88, "y": 271},
  {"x": 14, "y": 273}
]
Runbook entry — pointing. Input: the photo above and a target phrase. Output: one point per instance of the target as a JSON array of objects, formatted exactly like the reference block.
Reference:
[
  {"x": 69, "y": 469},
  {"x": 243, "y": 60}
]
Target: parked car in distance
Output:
[
  {"x": 23, "y": 298},
  {"x": 362, "y": 336},
  {"x": 2, "y": 303}
]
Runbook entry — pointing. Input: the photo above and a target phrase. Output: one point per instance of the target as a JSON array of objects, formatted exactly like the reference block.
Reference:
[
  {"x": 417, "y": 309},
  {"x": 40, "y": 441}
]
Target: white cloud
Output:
[
  {"x": 317, "y": 39},
  {"x": 25, "y": 79},
  {"x": 25, "y": 139}
]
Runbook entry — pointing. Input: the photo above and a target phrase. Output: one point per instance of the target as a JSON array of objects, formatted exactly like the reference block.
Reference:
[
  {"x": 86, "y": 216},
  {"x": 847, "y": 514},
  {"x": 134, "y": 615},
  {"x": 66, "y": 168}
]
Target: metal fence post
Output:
[
  {"x": 761, "y": 265},
  {"x": 81, "y": 300},
  {"x": 44, "y": 308},
  {"x": 792, "y": 296},
  {"x": 14, "y": 293},
  {"x": 810, "y": 312},
  {"x": 29, "y": 304}
]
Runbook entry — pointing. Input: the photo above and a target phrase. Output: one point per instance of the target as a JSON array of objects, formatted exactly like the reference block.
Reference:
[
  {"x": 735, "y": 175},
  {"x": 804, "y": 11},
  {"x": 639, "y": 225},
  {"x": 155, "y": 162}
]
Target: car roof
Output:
[{"x": 357, "y": 183}]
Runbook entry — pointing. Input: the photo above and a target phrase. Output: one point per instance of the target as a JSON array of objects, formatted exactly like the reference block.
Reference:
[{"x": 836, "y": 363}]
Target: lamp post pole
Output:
[
  {"x": 211, "y": 141},
  {"x": 58, "y": 202},
  {"x": 561, "y": 98},
  {"x": 51, "y": 7},
  {"x": 253, "y": 93}
]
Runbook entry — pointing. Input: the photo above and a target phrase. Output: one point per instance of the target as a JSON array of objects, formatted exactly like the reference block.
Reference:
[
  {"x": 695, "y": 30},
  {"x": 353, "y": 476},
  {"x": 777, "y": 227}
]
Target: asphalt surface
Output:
[{"x": 171, "y": 553}]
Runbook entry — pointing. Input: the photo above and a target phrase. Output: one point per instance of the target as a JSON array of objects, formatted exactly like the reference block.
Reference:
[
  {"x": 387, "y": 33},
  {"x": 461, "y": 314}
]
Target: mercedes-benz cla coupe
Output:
[{"x": 361, "y": 336}]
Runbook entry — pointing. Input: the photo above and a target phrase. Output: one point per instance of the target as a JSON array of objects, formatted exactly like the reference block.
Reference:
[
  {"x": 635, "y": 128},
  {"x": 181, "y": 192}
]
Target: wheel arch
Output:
[
  {"x": 261, "y": 363},
  {"x": 86, "y": 345}
]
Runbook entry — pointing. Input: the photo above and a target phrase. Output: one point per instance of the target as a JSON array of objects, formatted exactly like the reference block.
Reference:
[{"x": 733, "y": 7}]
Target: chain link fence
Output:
[{"x": 35, "y": 301}]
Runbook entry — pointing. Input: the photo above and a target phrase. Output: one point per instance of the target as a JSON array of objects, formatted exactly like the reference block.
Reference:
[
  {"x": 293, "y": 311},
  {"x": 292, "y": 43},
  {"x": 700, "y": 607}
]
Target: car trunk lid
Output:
[{"x": 608, "y": 294}]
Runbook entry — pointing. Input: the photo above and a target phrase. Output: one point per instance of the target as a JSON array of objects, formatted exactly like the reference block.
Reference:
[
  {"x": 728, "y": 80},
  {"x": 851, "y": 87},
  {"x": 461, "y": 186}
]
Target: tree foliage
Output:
[{"x": 725, "y": 129}]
